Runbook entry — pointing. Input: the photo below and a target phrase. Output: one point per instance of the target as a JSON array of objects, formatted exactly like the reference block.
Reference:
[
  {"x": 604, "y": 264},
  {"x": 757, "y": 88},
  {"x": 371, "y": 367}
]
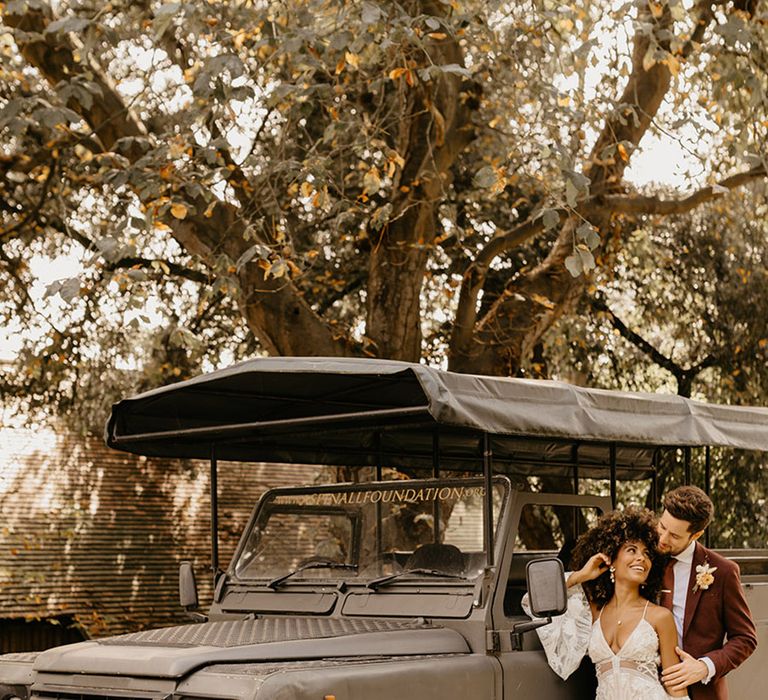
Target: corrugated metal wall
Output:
[
  {"x": 97, "y": 535},
  {"x": 36, "y": 635}
]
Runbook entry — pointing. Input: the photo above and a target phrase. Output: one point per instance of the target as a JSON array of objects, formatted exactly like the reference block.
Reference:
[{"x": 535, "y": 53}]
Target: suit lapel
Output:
[{"x": 693, "y": 597}]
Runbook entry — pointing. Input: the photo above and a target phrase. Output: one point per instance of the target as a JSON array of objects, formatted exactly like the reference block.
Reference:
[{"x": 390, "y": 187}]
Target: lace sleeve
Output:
[{"x": 566, "y": 638}]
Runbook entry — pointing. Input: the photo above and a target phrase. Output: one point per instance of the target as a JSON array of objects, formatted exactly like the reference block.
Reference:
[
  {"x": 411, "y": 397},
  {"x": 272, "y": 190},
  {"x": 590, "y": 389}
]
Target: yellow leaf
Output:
[
  {"x": 352, "y": 59},
  {"x": 673, "y": 64},
  {"x": 177, "y": 148},
  {"x": 179, "y": 210},
  {"x": 307, "y": 189},
  {"x": 321, "y": 199},
  {"x": 563, "y": 101},
  {"x": 657, "y": 9},
  {"x": 395, "y": 73},
  {"x": 649, "y": 60},
  {"x": 208, "y": 213},
  {"x": 543, "y": 301},
  {"x": 371, "y": 181},
  {"x": 437, "y": 36},
  {"x": 623, "y": 152}
]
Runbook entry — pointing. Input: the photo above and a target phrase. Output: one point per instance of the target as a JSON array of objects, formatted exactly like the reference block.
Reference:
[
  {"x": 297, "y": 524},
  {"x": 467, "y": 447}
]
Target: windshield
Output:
[{"x": 363, "y": 532}]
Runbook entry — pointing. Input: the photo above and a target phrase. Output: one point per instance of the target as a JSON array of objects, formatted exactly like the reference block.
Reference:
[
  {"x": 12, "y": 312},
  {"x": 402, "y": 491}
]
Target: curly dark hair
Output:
[{"x": 611, "y": 531}]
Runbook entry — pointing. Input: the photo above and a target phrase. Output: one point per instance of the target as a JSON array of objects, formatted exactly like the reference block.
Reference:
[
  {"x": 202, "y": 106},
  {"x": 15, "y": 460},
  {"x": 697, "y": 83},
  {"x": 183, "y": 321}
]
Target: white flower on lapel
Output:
[{"x": 704, "y": 576}]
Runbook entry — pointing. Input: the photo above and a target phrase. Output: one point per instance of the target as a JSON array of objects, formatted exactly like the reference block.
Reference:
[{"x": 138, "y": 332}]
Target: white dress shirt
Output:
[{"x": 682, "y": 569}]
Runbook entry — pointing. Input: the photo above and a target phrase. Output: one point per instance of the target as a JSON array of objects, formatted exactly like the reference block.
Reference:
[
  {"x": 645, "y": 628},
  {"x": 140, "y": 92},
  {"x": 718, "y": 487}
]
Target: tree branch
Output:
[
  {"x": 475, "y": 276},
  {"x": 174, "y": 268},
  {"x": 684, "y": 377},
  {"x": 108, "y": 116},
  {"x": 266, "y": 303},
  {"x": 656, "y": 205}
]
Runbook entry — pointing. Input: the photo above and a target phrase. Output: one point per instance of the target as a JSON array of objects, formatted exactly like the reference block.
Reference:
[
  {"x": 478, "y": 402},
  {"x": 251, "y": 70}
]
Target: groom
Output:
[{"x": 703, "y": 591}]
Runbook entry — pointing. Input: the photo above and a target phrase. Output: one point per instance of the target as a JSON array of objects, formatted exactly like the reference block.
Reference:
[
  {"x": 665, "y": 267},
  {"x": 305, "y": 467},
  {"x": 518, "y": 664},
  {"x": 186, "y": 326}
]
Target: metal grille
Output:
[
  {"x": 56, "y": 695},
  {"x": 242, "y": 632}
]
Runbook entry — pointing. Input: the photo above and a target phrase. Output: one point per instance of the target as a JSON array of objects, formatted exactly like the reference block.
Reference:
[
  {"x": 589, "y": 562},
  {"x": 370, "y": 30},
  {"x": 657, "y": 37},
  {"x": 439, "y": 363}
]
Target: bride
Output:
[{"x": 611, "y": 615}]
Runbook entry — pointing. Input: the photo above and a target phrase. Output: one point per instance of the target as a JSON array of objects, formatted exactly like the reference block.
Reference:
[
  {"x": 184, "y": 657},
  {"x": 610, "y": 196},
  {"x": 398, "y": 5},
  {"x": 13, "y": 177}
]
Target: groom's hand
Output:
[{"x": 687, "y": 672}]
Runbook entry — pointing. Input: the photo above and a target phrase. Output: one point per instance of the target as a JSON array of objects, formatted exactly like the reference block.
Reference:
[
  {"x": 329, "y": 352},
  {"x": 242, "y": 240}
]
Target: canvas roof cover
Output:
[{"x": 362, "y": 411}]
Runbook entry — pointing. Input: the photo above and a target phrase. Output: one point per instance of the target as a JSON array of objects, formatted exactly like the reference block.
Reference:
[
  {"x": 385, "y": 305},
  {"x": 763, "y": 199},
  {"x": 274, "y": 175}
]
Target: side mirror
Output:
[
  {"x": 547, "y": 591},
  {"x": 187, "y": 586}
]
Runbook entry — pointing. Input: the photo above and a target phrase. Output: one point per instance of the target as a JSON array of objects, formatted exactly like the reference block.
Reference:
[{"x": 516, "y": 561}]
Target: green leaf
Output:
[
  {"x": 485, "y": 177},
  {"x": 455, "y": 68},
  {"x": 371, "y": 13},
  {"x": 278, "y": 269},
  {"x": 381, "y": 216},
  {"x": 184, "y": 338},
  {"x": 68, "y": 24},
  {"x": 70, "y": 289},
  {"x": 587, "y": 233},
  {"x": 551, "y": 218},
  {"x": 255, "y": 250},
  {"x": 586, "y": 257},
  {"x": 571, "y": 194},
  {"x": 53, "y": 116},
  {"x": 10, "y": 110},
  {"x": 169, "y": 9},
  {"x": 109, "y": 248},
  {"x": 573, "y": 265}
]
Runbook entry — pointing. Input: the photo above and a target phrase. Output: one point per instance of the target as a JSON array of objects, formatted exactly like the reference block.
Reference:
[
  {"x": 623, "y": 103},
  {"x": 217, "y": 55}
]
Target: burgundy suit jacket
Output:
[{"x": 717, "y": 623}]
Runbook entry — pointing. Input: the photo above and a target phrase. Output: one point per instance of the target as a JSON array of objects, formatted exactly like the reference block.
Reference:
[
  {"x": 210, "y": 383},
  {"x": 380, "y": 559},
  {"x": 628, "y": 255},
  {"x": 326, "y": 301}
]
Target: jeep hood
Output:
[{"x": 175, "y": 651}]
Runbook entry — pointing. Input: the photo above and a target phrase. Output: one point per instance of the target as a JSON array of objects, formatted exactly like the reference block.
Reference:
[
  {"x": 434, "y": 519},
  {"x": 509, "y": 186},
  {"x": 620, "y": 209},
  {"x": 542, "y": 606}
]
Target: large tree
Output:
[{"x": 428, "y": 178}]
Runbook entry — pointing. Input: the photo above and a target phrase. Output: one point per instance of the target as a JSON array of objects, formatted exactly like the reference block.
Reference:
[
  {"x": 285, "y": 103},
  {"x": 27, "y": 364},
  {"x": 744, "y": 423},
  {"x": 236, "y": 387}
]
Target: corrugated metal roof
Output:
[{"x": 96, "y": 534}]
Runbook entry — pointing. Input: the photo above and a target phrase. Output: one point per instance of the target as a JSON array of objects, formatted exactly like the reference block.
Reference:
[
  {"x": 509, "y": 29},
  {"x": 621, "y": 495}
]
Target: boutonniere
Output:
[{"x": 704, "y": 576}]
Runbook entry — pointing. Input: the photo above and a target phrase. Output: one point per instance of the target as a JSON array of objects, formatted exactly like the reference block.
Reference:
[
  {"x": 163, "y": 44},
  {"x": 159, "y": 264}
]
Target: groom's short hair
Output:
[{"x": 691, "y": 504}]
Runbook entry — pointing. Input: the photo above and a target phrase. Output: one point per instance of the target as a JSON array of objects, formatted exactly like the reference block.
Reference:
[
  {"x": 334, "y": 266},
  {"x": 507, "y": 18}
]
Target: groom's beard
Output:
[{"x": 674, "y": 552}]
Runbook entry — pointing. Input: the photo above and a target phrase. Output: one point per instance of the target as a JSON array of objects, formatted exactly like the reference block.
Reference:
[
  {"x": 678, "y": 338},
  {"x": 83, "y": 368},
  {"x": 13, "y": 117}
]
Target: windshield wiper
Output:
[
  {"x": 275, "y": 583},
  {"x": 386, "y": 580}
]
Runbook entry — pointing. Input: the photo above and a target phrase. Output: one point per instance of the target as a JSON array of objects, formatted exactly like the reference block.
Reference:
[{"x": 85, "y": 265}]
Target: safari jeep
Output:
[{"x": 384, "y": 588}]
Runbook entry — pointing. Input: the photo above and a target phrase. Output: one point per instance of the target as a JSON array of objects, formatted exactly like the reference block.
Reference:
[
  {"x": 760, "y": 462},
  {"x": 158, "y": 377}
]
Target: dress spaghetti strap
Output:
[{"x": 645, "y": 608}]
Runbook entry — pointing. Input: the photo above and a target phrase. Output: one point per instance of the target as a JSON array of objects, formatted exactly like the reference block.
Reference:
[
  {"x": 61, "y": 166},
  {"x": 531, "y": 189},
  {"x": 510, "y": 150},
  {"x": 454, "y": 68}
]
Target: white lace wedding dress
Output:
[
  {"x": 633, "y": 671},
  {"x": 630, "y": 674}
]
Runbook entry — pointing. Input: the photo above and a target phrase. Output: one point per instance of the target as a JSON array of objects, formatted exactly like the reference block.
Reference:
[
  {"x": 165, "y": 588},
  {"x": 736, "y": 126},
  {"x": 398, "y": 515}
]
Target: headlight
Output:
[{"x": 13, "y": 692}]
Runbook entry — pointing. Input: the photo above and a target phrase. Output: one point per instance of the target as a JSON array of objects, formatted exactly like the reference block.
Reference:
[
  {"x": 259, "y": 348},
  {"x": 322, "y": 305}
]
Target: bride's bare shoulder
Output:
[{"x": 658, "y": 614}]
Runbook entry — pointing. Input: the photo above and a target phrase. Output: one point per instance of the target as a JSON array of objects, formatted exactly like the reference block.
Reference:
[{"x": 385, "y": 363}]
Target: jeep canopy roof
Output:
[{"x": 361, "y": 412}]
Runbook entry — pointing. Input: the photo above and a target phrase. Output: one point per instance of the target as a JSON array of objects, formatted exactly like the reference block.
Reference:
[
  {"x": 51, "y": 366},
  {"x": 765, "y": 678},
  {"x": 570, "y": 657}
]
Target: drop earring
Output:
[{"x": 612, "y": 572}]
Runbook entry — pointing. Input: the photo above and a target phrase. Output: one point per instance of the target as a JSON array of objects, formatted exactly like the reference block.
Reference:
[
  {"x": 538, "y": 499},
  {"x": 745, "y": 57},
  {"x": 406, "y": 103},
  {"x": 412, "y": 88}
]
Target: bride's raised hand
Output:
[{"x": 596, "y": 565}]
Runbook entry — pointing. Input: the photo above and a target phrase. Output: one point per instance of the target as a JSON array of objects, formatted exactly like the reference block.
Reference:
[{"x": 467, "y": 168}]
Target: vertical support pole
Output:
[
  {"x": 575, "y": 460},
  {"x": 379, "y": 477},
  {"x": 612, "y": 453},
  {"x": 655, "y": 480},
  {"x": 707, "y": 470},
  {"x": 436, "y": 475},
  {"x": 687, "y": 465},
  {"x": 707, "y": 483},
  {"x": 214, "y": 514},
  {"x": 488, "y": 501}
]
